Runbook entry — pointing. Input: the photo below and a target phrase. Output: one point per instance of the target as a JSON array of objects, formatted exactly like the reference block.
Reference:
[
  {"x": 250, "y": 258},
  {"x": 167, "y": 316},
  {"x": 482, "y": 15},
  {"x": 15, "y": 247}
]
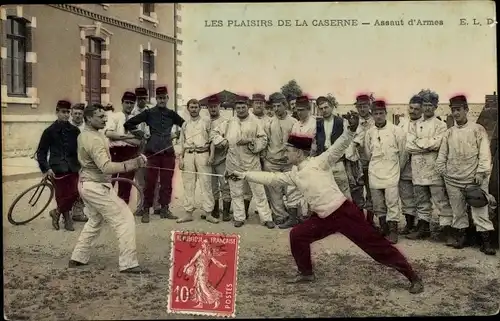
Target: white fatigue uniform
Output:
[
  {"x": 80, "y": 127},
  {"x": 264, "y": 121},
  {"x": 141, "y": 173},
  {"x": 294, "y": 198},
  {"x": 275, "y": 160},
  {"x": 422, "y": 143},
  {"x": 220, "y": 186},
  {"x": 195, "y": 139},
  {"x": 464, "y": 152},
  {"x": 101, "y": 201},
  {"x": 245, "y": 158},
  {"x": 406, "y": 189},
  {"x": 338, "y": 168},
  {"x": 386, "y": 148}
]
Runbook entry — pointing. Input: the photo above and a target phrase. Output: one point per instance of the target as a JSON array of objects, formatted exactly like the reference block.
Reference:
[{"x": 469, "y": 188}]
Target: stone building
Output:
[{"x": 84, "y": 53}]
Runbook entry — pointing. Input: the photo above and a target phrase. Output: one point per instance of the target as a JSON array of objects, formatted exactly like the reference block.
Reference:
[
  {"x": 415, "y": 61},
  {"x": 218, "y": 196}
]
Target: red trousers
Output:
[
  {"x": 350, "y": 221},
  {"x": 121, "y": 154},
  {"x": 66, "y": 191},
  {"x": 165, "y": 161}
]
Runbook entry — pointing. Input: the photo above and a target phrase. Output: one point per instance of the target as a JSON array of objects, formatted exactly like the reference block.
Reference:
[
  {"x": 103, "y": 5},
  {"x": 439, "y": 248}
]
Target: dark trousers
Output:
[
  {"x": 121, "y": 154},
  {"x": 368, "y": 205},
  {"x": 165, "y": 161},
  {"x": 350, "y": 221},
  {"x": 66, "y": 191}
]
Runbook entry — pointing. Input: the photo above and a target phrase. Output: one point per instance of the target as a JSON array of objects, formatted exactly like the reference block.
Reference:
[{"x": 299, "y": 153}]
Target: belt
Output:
[{"x": 191, "y": 151}]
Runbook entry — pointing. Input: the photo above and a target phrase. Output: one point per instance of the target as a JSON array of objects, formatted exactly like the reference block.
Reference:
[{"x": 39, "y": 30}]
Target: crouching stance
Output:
[
  {"x": 332, "y": 211},
  {"x": 100, "y": 199}
]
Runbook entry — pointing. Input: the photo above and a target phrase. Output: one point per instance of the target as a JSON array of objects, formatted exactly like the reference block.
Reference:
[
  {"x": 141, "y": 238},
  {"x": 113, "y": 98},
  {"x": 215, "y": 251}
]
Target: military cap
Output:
[
  {"x": 362, "y": 99},
  {"x": 303, "y": 101},
  {"x": 241, "y": 100},
  {"x": 161, "y": 91},
  {"x": 458, "y": 100},
  {"x": 141, "y": 92},
  {"x": 213, "y": 100},
  {"x": 63, "y": 104},
  {"x": 128, "y": 95},
  {"x": 276, "y": 98},
  {"x": 258, "y": 97},
  {"x": 379, "y": 104}
]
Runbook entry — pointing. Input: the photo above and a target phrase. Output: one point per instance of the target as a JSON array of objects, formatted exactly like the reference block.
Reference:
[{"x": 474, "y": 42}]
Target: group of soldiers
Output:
[{"x": 388, "y": 170}]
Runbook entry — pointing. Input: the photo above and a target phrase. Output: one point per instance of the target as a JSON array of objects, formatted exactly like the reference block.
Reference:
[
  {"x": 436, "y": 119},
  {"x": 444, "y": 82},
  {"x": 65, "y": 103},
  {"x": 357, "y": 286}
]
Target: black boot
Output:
[
  {"x": 393, "y": 232},
  {"x": 486, "y": 247},
  {"x": 449, "y": 235},
  {"x": 145, "y": 215},
  {"x": 410, "y": 225},
  {"x": 247, "y": 206},
  {"x": 384, "y": 228},
  {"x": 421, "y": 232},
  {"x": 165, "y": 213},
  {"x": 226, "y": 217},
  {"x": 460, "y": 238},
  {"x": 215, "y": 212},
  {"x": 55, "y": 215},
  {"x": 292, "y": 219},
  {"x": 68, "y": 222}
]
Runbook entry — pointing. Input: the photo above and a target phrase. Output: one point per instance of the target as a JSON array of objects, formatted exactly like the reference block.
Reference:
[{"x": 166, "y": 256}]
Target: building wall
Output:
[{"x": 59, "y": 72}]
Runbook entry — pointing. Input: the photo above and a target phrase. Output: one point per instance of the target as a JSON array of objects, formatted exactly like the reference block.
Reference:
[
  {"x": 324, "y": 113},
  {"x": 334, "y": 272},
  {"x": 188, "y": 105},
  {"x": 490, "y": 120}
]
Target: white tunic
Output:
[
  {"x": 219, "y": 124},
  {"x": 80, "y": 127},
  {"x": 359, "y": 140},
  {"x": 115, "y": 123},
  {"x": 277, "y": 131},
  {"x": 423, "y": 142},
  {"x": 195, "y": 133},
  {"x": 313, "y": 178},
  {"x": 244, "y": 157},
  {"x": 464, "y": 152},
  {"x": 305, "y": 128},
  {"x": 406, "y": 126},
  {"x": 385, "y": 148}
]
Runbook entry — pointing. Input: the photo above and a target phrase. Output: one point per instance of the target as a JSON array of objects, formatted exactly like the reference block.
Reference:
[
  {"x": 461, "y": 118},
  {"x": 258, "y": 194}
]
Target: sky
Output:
[{"x": 393, "y": 62}]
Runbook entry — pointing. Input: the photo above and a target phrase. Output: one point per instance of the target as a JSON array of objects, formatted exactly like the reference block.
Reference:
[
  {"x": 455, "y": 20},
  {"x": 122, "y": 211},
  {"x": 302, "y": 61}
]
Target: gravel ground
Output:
[{"x": 38, "y": 286}]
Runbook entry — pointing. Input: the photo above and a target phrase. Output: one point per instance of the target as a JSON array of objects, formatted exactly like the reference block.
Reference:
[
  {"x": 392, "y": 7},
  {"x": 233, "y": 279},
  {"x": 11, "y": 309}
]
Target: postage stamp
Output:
[{"x": 203, "y": 273}]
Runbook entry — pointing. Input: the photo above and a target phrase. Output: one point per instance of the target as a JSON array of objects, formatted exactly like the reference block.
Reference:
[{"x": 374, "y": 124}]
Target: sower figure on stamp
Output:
[
  {"x": 464, "y": 160},
  {"x": 100, "y": 199},
  {"x": 385, "y": 146},
  {"x": 333, "y": 212},
  {"x": 141, "y": 173},
  {"x": 123, "y": 146},
  {"x": 195, "y": 156},
  {"x": 58, "y": 143},
  {"x": 422, "y": 143},
  {"x": 246, "y": 139},
  {"x": 363, "y": 107},
  {"x": 220, "y": 186},
  {"x": 328, "y": 129},
  {"x": 277, "y": 130},
  {"x": 406, "y": 189},
  {"x": 159, "y": 150},
  {"x": 295, "y": 202}
]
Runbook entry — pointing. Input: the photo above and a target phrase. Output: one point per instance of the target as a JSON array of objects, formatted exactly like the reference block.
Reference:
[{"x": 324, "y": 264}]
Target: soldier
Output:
[
  {"x": 464, "y": 159},
  {"x": 328, "y": 129},
  {"x": 59, "y": 143},
  {"x": 77, "y": 116},
  {"x": 101, "y": 202},
  {"x": 385, "y": 146},
  {"x": 220, "y": 187},
  {"x": 195, "y": 156},
  {"x": 141, "y": 173},
  {"x": 406, "y": 190},
  {"x": 159, "y": 150},
  {"x": 123, "y": 146},
  {"x": 269, "y": 109},
  {"x": 277, "y": 131},
  {"x": 363, "y": 107},
  {"x": 295, "y": 202},
  {"x": 292, "y": 103},
  {"x": 246, "y": 139},
  {"x": 423, "y": 142}
]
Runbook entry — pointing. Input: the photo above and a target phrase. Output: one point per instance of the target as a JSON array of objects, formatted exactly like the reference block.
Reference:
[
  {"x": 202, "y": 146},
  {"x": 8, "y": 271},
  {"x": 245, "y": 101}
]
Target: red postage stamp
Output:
[{"x": 203, "y": 273}]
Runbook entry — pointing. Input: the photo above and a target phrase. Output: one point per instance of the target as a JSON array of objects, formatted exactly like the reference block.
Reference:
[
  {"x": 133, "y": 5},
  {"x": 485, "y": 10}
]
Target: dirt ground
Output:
[{"x": 38, "y": 286}]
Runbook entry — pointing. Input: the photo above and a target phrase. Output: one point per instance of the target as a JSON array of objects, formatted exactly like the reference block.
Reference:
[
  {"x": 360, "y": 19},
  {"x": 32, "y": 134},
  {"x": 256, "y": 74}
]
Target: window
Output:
[
  {"x": 148, "y": 8},
  {"x": 93, "y": 70},
  {"x": 16, "y": 56},
  {"x": 147, "y": 70}
]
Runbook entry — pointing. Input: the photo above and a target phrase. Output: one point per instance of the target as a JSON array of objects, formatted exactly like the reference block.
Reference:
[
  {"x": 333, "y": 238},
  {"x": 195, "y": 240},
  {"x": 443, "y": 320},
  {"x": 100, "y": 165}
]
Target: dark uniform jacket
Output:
[
  {"x": 337, "y": 130},
  {"x": 160, "y": 122},
  {"x": 59, "y": 142}
]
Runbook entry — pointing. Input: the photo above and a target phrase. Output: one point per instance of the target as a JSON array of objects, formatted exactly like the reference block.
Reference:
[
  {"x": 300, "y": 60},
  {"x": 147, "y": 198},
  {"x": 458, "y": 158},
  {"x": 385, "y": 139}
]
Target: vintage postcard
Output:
[
  {"x": 203, "y": 273},
  {"x": 291, "y": 153}
]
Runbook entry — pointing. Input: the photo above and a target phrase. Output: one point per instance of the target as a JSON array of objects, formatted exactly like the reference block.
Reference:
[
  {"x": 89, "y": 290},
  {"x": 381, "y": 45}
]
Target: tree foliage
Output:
[{"x": 291, "y": 88}]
